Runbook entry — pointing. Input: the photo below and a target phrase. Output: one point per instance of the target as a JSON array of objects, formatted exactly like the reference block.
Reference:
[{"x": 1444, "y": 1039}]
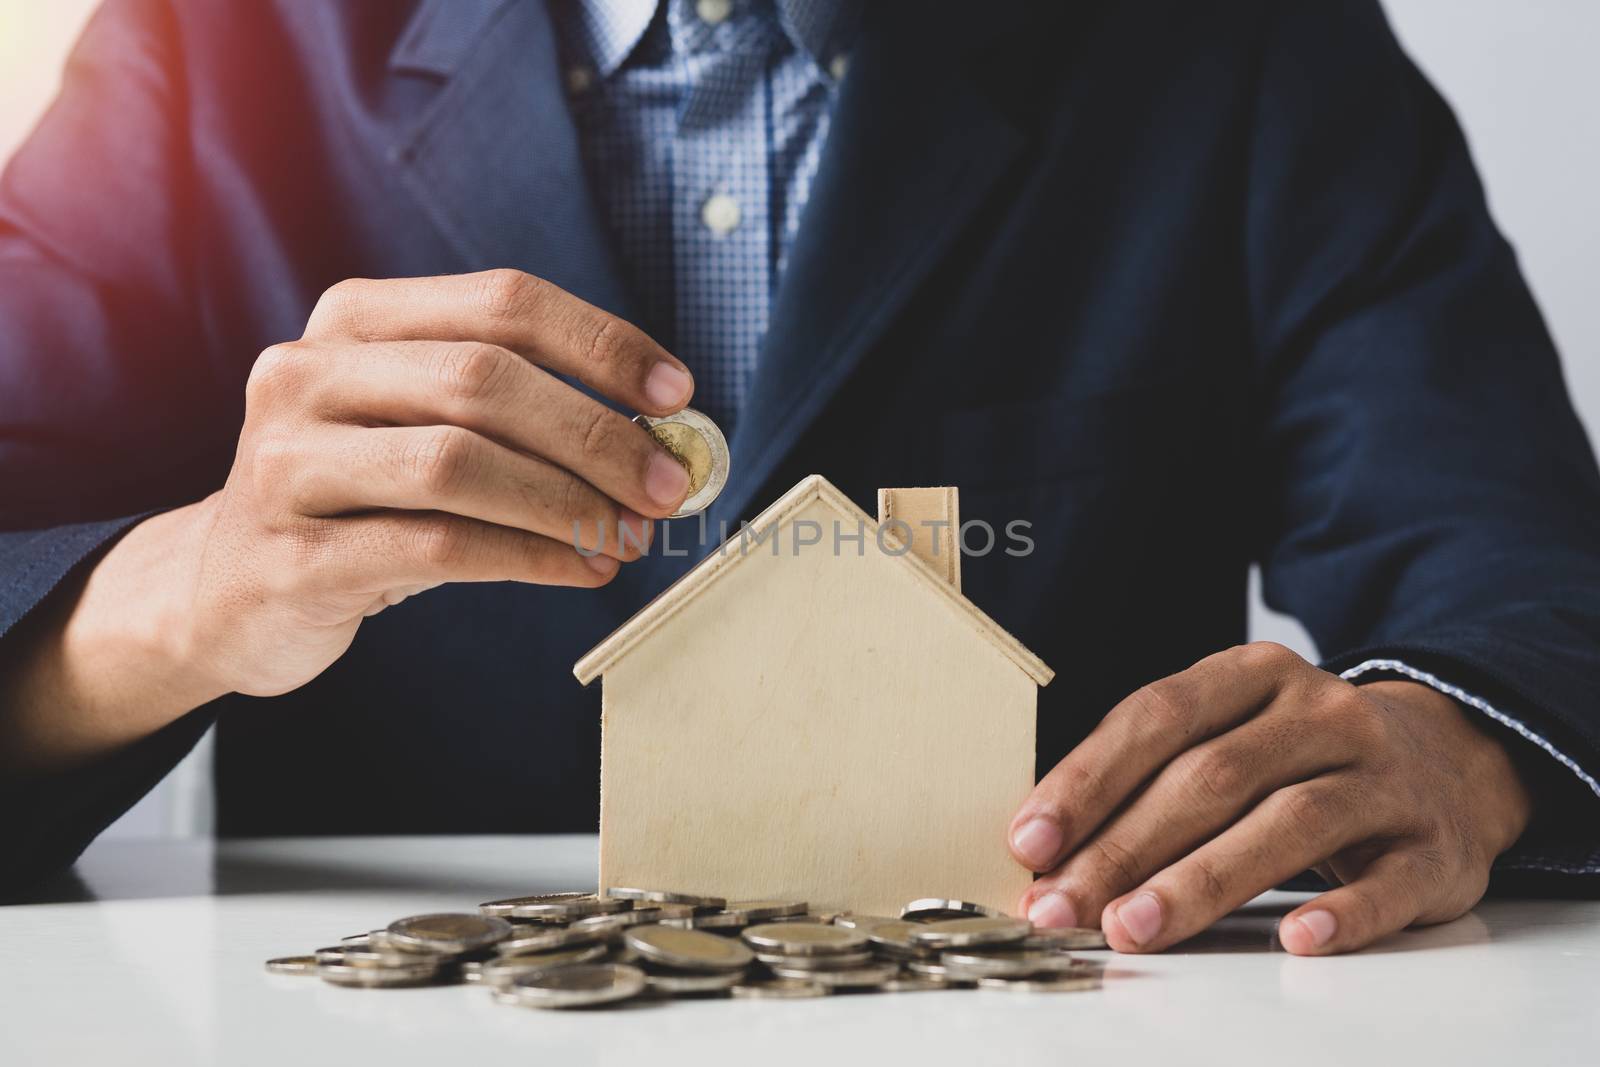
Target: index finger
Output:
[
  {"x": 1136, "y": 739},
  {"x": 537, "y": 319}
]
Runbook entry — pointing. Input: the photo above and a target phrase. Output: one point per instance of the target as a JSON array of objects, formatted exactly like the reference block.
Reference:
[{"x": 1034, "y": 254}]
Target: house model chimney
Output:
[{"x": 930, "y": 521}]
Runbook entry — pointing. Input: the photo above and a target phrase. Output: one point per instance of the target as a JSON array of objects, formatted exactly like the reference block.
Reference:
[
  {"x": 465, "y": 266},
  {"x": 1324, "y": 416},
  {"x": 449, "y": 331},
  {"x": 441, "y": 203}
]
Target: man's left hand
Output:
[{"x": 1206, "y": 788}]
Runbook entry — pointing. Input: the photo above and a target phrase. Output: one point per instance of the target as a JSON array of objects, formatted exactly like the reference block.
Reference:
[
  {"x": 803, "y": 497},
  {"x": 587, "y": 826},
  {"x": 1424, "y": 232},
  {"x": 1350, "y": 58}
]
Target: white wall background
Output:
[{"x": 1521, "y": 75}]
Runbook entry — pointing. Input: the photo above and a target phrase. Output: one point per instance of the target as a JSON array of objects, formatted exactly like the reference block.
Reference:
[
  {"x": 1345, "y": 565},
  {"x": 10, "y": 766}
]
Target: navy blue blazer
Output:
[{"x": 1185, "y": 285}]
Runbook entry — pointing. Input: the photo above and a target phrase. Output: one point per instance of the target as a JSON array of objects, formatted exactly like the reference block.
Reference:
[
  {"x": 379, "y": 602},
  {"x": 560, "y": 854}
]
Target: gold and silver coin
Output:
[
  {"x": 689, "y": 950},
  {"x": 970, "y": 966},
  {"x": 447, "y": 932},
  {"x": 689, "y": 983},
  {"x": 870, "y": 976},
  {"x": 696, "y": 442},
  {"x": 578, "y": 986},
  {"x": 804, "y": 939},
  {"x": 502, "y": 969},
  {"x": 1065, "y": 937},
  {"x": 664, "y": 896},
  {"x": 928, "y": 909},
  {"x": 296, "y": 965},
  {"x": 778, "y": 989},
  {"x": 970, "y": 932}
]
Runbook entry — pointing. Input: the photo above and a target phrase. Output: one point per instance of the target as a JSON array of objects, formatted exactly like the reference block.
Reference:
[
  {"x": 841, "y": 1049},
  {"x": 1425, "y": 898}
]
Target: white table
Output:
[{"x": 154, "y": 956}]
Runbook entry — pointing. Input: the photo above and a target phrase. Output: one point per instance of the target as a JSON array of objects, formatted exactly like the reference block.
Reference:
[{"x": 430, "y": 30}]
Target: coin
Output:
[
  {"x": 358, "y": 955},
  {"x": 680, "y": 983},
  {"x": 293, "y": 965},
  {"x": 716, "y": 920},
  {"x": 914, "y": 983},
  {"x": 1064, "y": 937},
  {"x": 1019, "y": 964},
  {"x": 562, "y": 907},
  {"x": 973, "y": 932},
  {"x": 378, "y": 977},
  {"x": 861, "y": 922},
  {"x": 447, "y": 932},
  {"x": 761, "y": 910},
  {"x": 666, "y": 896},
  {"x": 690, "y": 950},
  {"x": 578, "y": 985},
  {"x": 856, "y": 978},
  {"x": 927, "y": 909},
  {"x": 503, "y": 969},
  {"x": 931, "y": 969},
  {"x": 471, "y": 971},
  {"x": 1067, "y": 984},
  {"x": 539, "y": 938},
  {"x": 503, "y": 908},
  {"x": 778, "y": 989},
  {"x": 804, "y": 939},
  {"x": 837, "y": 962},
  {"x": 696, "y": 442},
  {"x": 892, "y": 937}
]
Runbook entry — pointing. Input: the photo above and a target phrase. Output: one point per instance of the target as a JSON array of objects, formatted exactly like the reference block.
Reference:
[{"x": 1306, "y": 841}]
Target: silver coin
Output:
[
  {"x": 359, "y": 955},
  {"x": 543, "y": 939},
  {"x": 1065, "y": 937},
  {"x": 927, "y": 909},
  {"x": 836, "y": 962},
  {"x": 970, "y": 932},
  {"x": 361, "y": 938},
  {"x": 679, "y": 983},
  {"x": 1064, "y": 984},
  {"x": 448, "y": 931},
  {"x": 566, "y": 909},
  {"x": 856, "y": 978},
  {"x": 860, "y": 922},
  {"x": 778, "y": 989},
  {"x": 616, "y": 922},
  {"x": 689, "y": 950},
  {"x": 503, "y": 969},
  {"x": 419, "y": 973},
  {"x": 932, "y": 969},
  {"x": 299, "y": 965},
  {"x": 1023, "y": 963},
  {"x": 696, "y": 442},
  {"x": 579, "y": 985},
  {"x": 665, "y": 896},
  {"x": 893, "y": 938},
  {"x": 914, "y": 983},
  {"x": 762, "y": 910},
  {"x": 804, "y": 939},
  {"x": 712, "y": 920},
  {"x": 471, "y": 971},
  {"x": 502, "y": 909}
]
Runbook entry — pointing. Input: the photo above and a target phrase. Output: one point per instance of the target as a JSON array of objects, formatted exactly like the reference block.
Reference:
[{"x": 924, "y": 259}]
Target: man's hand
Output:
[
  {"x": 1206, "y": 788},
  {"x": 416, "y": 434}
]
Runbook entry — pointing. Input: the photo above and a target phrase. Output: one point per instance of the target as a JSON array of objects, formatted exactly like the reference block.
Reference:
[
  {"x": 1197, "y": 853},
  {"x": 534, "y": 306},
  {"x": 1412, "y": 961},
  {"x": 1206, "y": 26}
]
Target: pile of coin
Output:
[{"x": 566, "y": 950}]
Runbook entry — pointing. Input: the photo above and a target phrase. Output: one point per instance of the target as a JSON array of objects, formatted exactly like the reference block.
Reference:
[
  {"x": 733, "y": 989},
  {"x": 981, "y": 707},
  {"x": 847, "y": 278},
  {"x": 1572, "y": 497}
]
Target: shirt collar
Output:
[{"x": 611, "y": 29}]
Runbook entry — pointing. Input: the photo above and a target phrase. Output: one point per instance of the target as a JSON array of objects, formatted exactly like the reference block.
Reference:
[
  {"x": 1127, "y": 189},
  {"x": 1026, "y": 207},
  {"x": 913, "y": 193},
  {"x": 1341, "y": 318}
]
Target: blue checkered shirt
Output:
[{"x": 701, "y": 123}]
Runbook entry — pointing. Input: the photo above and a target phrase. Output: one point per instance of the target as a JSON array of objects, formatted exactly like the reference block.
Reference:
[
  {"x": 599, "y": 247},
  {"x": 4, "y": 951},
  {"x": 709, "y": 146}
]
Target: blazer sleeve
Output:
[
  {"x": 1429, "y": 504},
  {"x": 101, "y": 373}
]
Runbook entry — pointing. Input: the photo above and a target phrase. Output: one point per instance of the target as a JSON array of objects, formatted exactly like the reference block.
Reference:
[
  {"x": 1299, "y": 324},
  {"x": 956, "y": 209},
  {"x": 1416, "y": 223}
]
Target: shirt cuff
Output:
[{"x": 1546, "y": 857}]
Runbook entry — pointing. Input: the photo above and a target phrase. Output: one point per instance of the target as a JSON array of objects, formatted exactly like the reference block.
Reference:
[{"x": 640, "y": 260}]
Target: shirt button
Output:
[
  {"x": 839, "y": 67},
  {"x": 713, "y": 11},
  {"x": 720, "y": 213},
  {"x": 579, "y": 79}
]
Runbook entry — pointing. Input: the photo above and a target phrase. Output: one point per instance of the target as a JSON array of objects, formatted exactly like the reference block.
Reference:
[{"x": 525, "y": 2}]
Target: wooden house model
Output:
[{"x": 816, "y": 712}]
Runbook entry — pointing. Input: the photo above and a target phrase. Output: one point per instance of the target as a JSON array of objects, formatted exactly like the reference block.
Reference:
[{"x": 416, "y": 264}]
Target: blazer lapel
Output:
[
  {"x": 913, "y": 150},
  {"x": 494, "y": 160}
]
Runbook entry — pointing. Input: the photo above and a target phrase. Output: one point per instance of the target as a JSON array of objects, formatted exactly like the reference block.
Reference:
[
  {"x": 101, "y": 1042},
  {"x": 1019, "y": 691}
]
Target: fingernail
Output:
[
  {"x": 1320, "y": 924},
  {"x": 666, "y": 386},
  {"x": 1052, "y": 910},
  {"x": 633, "y": 530},
  {"x": 1141, "y": 917},
  {"x": 1037, "y": 842},
  {"x": 665, "y": 480},
  {"x": 602, "y": 564}
]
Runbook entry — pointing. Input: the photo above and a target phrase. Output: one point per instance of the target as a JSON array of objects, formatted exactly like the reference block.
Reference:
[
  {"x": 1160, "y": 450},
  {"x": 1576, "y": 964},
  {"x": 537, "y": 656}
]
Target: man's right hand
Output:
[{"x": 416, "y": 434}]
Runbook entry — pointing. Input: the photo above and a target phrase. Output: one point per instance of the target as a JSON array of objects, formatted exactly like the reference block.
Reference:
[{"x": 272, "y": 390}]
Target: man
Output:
[{"x": 1182, "y": 285}]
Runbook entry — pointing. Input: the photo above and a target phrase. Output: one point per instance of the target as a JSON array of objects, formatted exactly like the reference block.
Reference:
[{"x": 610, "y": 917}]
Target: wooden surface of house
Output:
[{"x": 815, "y": 712}]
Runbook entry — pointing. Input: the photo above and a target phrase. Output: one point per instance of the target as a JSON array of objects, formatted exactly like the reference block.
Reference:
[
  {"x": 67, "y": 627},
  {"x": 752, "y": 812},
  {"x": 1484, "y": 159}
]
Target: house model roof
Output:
[{"x": 661, "y": 610}]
